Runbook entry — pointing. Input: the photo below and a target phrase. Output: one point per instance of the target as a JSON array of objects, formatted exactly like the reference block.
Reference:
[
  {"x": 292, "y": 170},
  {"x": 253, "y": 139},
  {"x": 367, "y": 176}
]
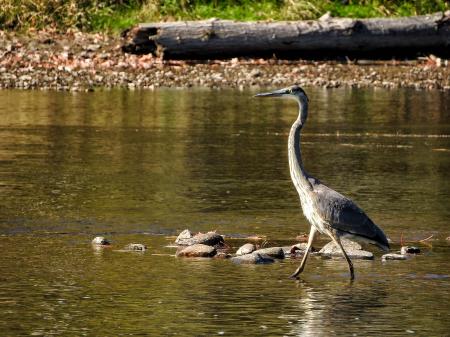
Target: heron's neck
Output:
[{"x": 298, "y": 173}]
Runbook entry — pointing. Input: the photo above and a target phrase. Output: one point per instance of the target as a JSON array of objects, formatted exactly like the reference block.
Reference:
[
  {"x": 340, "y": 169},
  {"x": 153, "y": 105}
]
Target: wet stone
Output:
[
  {"x": 275, "y": 252},
  {"x": 210, "y": 239},
  {"x": 222, "y": 255},
  {"x": 246, "y": 249},
  {"x": 302, "y": 246},
  {"x": 353, "y": 250},
  {"x": 409, "y": 250},
  {"x": 253, "y": 258},
  {"x": 393, "y": 256},
  {"x": 297, "y": 249},
  {"x": 137, "y": 247},
  {"x": 184, "y": 235},
  {"x": 197, "y": 250},
  {"x": 289, "y": 251},
  {"x": 100, "y": 241},
  {"x": 302, "y": 238}
]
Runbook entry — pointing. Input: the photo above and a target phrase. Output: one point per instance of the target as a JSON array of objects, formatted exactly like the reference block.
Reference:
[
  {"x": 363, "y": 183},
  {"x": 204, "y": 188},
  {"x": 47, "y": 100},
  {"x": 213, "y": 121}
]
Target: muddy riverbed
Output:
[{"x": 79, "y": 61}]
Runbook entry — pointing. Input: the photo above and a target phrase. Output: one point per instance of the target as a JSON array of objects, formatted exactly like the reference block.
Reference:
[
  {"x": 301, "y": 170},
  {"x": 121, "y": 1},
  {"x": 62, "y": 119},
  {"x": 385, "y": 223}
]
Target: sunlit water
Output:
[{"x": 142, "y": 166}]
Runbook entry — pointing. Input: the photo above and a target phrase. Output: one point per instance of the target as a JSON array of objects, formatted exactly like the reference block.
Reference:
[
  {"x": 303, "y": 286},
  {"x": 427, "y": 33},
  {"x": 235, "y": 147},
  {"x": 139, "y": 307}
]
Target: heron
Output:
[{"x": 328, "y": 211}]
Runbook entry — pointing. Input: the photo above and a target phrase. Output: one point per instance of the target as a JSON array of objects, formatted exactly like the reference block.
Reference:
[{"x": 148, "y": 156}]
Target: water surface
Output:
[{"x": 141, "y": 166}]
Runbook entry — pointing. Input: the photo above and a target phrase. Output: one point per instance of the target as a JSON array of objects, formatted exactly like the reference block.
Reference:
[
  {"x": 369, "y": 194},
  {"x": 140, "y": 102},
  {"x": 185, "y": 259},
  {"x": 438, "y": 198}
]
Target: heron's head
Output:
[{"x": 294, "y": 92}]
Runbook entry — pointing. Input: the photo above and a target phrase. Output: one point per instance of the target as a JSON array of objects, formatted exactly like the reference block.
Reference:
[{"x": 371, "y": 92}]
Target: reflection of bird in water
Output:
[
  {"x": 326, "y": 308},
  {"x": 327, "y": 211}
]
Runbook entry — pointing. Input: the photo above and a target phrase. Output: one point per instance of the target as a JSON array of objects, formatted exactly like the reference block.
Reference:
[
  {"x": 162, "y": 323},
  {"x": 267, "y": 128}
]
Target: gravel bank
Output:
[{"x": 78, "y": 61}]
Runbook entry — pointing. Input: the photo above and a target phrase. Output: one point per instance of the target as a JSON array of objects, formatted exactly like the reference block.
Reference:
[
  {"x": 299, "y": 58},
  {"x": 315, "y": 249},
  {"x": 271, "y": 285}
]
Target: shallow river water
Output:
[{"x": 140, "y": 166}]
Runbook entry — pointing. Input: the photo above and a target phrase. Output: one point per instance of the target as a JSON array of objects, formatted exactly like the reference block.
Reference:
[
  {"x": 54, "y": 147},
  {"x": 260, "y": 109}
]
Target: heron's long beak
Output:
[{"x": 276, "y": 93}]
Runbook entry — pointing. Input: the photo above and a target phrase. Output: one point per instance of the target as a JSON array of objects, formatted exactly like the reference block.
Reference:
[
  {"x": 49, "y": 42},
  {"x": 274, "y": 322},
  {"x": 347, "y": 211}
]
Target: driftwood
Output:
[{"x": 324, "y": 38}]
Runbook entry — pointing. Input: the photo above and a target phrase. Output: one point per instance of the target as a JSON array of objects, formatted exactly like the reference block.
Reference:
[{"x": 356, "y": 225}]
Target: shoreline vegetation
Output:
[{"x": 115, "y": 16}]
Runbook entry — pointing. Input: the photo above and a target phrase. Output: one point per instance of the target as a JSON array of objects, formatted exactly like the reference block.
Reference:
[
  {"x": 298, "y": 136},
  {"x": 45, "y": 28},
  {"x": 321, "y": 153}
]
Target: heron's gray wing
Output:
[{"x": 344, "y": 215}]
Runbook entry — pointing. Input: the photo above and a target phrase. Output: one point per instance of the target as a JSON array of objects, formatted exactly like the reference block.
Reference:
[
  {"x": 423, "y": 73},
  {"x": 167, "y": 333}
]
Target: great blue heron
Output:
[{"x": 328, "y": 211}]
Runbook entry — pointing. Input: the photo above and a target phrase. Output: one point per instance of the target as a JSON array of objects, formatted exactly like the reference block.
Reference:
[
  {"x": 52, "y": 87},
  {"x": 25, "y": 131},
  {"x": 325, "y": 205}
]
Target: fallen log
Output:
[{"x": 324, "y": 38}]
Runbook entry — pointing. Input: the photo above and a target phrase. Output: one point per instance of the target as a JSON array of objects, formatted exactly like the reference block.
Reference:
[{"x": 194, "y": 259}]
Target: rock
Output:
[
  {"x": 353, "y": 250},
  {"x": 302, "y": 246},
  {"x": 255, "y": 73},
  {"x": 100, "y": 241},
  {"x": 286, "y": 250},
  {"x": 210, "y": 239},
  {"x": 222, "y": 255},
  {"x": 197, "y": 250},
  {"x": 275, "y": 252},
  {"x": 246, "y": 249},
  {"x": 392, "y": 256},
  {"x": 409, "y": 250},
  {"x": 184, "y": 235},
  {"x": 302, "y": 238},
  {"x": 137, "y": 247},
  {"x": 327, "y": 16},
  {"x": 253, "y": 258},
  {"x": 92, "y": 47},
  {"x": 297, "y": 249}
]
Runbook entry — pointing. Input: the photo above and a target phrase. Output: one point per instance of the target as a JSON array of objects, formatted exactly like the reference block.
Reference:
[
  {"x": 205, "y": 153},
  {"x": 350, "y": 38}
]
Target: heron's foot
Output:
[{"x": 294, "y": 276}]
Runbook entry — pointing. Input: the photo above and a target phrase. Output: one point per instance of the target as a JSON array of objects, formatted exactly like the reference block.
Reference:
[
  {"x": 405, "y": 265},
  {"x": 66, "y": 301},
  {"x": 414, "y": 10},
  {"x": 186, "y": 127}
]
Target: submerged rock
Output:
[
  {"x": 302, "y": 238},
  {"x": 222, "y": 255},
  {"x": 275, "y": 252},
  {"x": 197, "y": 250},
  {"x": 184, "y": 235},
  {"x": 353, "y": 250},
  {"x": 256, "y": 238},
  {"x": 298, "y": 250},
  {"x": 246, "y": 249},
  {"x": 136, "y": 247},
  {"x": 302, "y": 246},
  {"x": 100, "y": 241},
  {"x": 393, "y": 256},
  {"x": 253, "y": 258},
  {"x": 210, "y": 239},
  {"x": 409, "y": 250}
]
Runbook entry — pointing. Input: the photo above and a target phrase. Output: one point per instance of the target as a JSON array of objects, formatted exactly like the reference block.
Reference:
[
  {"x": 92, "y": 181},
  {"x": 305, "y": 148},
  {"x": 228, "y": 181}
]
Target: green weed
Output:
[{"x": 110, "y": 15}]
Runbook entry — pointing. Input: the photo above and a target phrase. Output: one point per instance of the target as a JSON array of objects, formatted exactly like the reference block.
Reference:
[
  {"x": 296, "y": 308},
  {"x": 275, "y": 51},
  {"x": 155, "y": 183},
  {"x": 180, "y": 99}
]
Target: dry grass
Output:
[{"x": 117, "y": 15}]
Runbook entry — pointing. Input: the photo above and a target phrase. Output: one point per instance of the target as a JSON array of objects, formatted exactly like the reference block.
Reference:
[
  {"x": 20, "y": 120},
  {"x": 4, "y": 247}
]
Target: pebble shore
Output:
[{"x": 78, "y": 61}]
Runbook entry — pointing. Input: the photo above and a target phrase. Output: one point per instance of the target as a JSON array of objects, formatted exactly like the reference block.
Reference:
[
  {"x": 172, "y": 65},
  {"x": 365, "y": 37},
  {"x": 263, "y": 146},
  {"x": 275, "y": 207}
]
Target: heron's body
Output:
[{"x": 328, "y": 211}]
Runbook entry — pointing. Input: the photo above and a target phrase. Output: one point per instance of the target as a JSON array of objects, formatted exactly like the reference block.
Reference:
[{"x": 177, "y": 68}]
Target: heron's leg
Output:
[
  {"x": 312, "y": 233},
  {"x": 338, "y": 242}
]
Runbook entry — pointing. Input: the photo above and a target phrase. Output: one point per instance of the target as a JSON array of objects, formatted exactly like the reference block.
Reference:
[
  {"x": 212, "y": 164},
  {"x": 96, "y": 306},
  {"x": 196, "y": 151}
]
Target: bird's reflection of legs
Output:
[
  {"x": 312, "y": 233},
  {"x": 324, "y": 308}
]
